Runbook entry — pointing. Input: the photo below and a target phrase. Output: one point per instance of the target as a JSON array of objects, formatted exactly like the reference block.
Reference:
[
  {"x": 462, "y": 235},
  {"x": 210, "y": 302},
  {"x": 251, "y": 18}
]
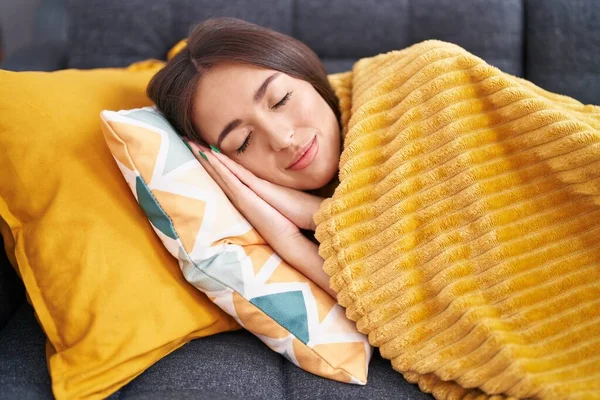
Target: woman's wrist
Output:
[
  {"x": 311, "y": 207},
  {"x": 310, "y": 222},
  {"x": 303, "y": 255}
]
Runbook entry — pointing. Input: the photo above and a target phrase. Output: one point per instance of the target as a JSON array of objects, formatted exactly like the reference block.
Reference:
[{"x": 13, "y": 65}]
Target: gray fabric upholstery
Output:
[
  {"x": 228, "y": 366},
  {"x": 334, "y": 65},
  {"x": 23, "y": 372},
  {"x": 563, "y": 47},
  {"x": 553, "y": 43},
  {"x": 490, "y": 29},
  {"x": 384, "y": 383},
  {"x": 11, "y": 289},
  {"x": 351, "y": 29},
  {"x": 112, "y": 34},
  {"x": 174, "y": 394},
  {"x": 117, "y": 33},
  {"x": 46, "y": 56}
]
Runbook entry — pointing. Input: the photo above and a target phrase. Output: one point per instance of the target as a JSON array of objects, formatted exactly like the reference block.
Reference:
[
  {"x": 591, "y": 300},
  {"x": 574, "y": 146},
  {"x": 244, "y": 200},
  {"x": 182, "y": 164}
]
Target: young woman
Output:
[{"x": 262, "y": 102}]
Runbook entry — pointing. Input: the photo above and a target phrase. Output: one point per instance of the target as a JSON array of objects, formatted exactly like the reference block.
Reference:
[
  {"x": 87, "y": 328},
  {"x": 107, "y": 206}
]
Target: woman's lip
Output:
[{"x": 308, "y": 156}]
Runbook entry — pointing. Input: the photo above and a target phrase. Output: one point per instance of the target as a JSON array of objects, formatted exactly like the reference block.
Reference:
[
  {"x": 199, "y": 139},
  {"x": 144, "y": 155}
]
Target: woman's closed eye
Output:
[
  {"x": 282, "y": 101},
  {"x": 244, "y": 145}
]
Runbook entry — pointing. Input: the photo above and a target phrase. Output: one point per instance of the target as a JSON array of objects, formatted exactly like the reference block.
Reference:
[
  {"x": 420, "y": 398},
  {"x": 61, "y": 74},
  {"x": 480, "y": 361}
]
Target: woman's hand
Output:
[
  {"x": 297, "y": 206},
  {"x": 278, "y": 231},
  {"x": 270, "y": 223}
]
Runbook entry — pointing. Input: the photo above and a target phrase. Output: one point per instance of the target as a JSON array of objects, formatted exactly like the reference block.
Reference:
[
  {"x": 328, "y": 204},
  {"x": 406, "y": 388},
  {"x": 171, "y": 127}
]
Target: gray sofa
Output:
[{"x": 553, "y": 43}]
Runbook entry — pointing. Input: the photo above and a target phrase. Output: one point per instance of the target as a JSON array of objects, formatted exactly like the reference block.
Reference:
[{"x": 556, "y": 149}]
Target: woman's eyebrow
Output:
[
  {"x": 260, "y": 92},
  {"x": 228, "y": 128},
  {"x": 258, "y": 95}
]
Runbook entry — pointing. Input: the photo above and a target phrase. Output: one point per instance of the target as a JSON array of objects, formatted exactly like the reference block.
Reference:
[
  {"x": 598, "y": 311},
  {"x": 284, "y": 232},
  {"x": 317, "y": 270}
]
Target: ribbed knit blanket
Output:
[{"x": 464, "y": 236}]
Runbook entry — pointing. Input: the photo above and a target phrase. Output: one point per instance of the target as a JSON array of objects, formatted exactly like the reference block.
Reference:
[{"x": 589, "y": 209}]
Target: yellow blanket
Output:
[{"x": 464, "y": 236}]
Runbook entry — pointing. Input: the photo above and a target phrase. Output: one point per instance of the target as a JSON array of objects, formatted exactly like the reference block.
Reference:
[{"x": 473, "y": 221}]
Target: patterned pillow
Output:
[{"x": 223, "y": 256}]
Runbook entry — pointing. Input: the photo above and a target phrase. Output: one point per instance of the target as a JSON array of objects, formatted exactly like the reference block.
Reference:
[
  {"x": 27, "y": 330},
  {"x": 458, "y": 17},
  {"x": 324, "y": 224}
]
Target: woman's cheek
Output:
[{"x": 304, "y": 109}]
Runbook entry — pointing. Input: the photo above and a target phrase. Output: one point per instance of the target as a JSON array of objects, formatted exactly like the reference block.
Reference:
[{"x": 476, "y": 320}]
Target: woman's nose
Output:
[{"x": 280, "y": 137}]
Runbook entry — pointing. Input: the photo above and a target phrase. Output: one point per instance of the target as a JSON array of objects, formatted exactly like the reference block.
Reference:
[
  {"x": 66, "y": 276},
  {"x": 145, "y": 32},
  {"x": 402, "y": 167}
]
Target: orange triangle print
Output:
[
  {"x": 312, "y": 361},
  {"x": 257, "y": 321},
  {"x": 352, "y": 357},
  {"x": 118, "y": 148},
  {"x": 143, "y": 144},
  {"x": 186, "y": 223},
  {"x": 259, "y": 254}
]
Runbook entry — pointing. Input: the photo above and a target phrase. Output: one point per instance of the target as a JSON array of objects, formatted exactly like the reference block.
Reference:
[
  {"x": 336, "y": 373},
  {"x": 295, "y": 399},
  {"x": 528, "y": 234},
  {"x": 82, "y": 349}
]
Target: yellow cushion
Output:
[{"x": 109, "y": 296}]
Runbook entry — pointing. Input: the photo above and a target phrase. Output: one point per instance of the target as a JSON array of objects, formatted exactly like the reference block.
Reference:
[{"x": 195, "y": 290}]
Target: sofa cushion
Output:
[
  {"x": 384, "y": 383},
  {"x": 563, "y": 47},
  {"x": 117, "y": 33},
  {"x": 342, "y": 30},
  {"x": 23, "y": 371},
  {"x": 491, "y": 29},
  {"x": 351, "y": 29},
  {"x": 234, "y": 365},
  {"x": 11, "y": 289}
]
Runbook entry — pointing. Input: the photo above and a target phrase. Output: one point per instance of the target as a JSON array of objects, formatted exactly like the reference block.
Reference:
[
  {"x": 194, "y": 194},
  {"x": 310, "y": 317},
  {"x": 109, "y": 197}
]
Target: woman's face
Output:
[{"x": 276, "y": 126}]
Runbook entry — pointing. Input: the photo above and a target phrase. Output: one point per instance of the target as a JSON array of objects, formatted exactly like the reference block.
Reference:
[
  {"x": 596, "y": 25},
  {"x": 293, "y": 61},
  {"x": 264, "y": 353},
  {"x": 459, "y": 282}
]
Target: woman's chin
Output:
[
  {"x": 313, "y": 177},
  {"x": 319, "y": 180}
]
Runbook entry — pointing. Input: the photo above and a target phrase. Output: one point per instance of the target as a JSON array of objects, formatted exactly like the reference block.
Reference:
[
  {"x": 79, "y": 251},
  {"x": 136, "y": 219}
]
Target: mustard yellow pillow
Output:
[{"x": 109, "y": 296}]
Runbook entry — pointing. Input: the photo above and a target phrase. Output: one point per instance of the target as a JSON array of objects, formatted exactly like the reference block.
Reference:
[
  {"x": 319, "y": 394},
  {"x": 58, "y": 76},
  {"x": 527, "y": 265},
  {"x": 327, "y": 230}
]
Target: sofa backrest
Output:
[
  {"x": 562, "y": 47},
  {"x": 116, "y": 33},
  {"x": 554, "y": 43}
]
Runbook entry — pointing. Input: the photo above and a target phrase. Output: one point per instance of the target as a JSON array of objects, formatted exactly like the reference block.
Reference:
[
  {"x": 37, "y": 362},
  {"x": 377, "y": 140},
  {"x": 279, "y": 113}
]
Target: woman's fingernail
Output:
[
  {"x": 188, "y": 145},
  {"x": 216, "y": 150},
  {"x": 202, "y": 155}
]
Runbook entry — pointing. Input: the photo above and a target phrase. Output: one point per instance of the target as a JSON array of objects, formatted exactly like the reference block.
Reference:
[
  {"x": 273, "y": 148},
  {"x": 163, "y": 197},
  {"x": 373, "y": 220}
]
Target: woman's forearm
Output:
[{"x": 303, "y": 255}]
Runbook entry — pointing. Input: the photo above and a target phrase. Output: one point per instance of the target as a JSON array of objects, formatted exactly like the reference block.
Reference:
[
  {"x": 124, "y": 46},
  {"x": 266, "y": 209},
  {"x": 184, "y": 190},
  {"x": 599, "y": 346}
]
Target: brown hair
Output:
[{"x": 219, "y": 40}]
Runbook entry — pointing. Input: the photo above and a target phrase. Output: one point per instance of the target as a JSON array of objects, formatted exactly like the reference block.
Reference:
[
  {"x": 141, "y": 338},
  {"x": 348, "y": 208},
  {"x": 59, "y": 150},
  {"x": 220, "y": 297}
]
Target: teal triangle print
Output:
[
  {"x": 151, "y": 117},
  {"x": 224, "y": 268},
  {"x": 287, "y": 309},
  {"x": 153, "y": 211}
]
